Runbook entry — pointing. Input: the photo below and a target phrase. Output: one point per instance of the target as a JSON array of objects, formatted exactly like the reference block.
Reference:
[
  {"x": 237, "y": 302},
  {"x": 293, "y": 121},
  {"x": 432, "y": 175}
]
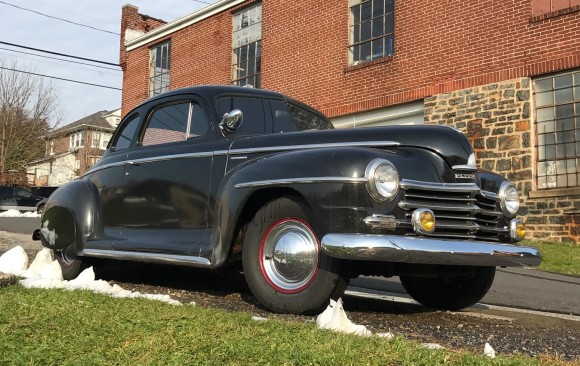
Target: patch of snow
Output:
[
  {"x": 45, "y": 272},
  {"x": 49, "y": 235},
  {"x": 259, "y": 318},
  {"x": 387, "y": 335},
  {"x": 16, "y": 213},
  {"x": 433, "y": 346},
  {"x": 14, "y": 261},
  {"x": 339, "y": 322},
  {"x": 488, "y": 350},
  {"x": 325, "y": 316}
]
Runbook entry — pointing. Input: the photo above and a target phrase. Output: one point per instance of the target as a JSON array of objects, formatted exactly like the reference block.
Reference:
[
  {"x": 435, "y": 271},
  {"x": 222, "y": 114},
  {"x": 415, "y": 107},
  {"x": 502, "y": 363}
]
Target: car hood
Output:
[{"x": 447, "y": 142}]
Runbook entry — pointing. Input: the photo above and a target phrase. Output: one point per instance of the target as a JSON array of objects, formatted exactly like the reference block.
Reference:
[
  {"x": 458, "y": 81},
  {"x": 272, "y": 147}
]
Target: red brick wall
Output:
[{"x": 439, "y": 47}]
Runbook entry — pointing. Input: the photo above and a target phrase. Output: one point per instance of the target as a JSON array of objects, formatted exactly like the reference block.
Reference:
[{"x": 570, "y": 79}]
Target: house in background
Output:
[
  {"x": 505, "y": 72},
  {"x": 72, "y": 149}
]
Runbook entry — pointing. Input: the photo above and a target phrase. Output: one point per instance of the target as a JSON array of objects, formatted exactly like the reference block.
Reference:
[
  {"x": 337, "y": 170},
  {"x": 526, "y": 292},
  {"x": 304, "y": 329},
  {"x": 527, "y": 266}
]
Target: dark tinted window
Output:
[
  {"x": 21, "y": 192},
  {"x": 5, "y": 191},
  {"x": 305, "y": 119},
  {"x": 199, "y": 122},
  {"x": 282, "y": 120},
  {"x": 252, "y": 108},
  {"x": 127, "y": 133},
  {"x": 167, "y": 124}
]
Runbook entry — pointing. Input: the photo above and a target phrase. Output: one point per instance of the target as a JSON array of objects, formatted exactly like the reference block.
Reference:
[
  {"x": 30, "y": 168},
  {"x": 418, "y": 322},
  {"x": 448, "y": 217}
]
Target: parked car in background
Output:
[
  {"x": 18, "y": 198},
  {"x": 215, "y": 176},
  {"x": 43, "y": 191}
]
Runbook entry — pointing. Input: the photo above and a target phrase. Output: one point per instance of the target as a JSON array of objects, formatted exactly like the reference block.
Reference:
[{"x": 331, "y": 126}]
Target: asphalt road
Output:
[{"x": 513, "y": 287}]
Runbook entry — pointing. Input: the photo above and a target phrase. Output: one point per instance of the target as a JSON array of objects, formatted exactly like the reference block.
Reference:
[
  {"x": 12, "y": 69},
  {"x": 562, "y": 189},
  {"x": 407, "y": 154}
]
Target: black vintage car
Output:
[{"x": 215, "y": 175}]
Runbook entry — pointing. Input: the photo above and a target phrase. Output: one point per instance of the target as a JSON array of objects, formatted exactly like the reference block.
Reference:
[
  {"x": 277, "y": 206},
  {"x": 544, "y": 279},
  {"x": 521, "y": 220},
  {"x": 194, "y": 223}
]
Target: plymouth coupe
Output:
[{"x": 215, "y": 176}]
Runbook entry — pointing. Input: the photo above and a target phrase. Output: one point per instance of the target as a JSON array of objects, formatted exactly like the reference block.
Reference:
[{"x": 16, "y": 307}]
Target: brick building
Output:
[
  {"x": 507, "y": 73},
  {"x": 72, "y": 149}
]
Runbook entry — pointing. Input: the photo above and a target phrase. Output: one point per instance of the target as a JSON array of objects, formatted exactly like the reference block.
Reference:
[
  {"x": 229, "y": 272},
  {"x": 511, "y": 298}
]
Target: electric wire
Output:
[
  {"x": 60, "y": 59},
  {"x": 57, "y": 78},
  {"x": 57, "y": 18},
  {"x": 59, "y": 54}
]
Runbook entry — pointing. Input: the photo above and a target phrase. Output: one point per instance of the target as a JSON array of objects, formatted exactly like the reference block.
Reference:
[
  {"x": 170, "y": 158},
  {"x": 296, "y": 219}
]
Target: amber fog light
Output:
[
  {"x": 423, "y": 221},
  {"x": 517, "y": 229}
]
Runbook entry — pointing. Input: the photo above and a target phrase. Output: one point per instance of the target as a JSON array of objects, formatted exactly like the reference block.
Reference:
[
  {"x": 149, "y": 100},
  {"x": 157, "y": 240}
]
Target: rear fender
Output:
[{"x": 68, "y": 217}]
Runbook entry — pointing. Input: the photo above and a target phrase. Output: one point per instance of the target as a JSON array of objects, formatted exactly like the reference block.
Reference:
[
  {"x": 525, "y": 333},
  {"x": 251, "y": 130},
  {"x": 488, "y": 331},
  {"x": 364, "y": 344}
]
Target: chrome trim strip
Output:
[
  {"x": 490, "y": 195},
  {"x": 378, "y": 221},
  {"x": 169, "y": 157},
  {"x": 101, "y": 167},
  {"x": 453, "y": 187},
  {"x": 391, "y": 248},
  {"x": 308, "y": 180},
  {"x": 468, "y": 207},
  {"x": 148, "y": 257},
  {"x": 464, "y": 167},
  {"x": 312, "y": 146}
]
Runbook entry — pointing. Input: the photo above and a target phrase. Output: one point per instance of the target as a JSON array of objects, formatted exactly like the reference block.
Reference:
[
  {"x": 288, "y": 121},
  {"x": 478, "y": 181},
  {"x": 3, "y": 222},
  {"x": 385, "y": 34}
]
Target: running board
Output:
[{"x": 175, "y": 259}]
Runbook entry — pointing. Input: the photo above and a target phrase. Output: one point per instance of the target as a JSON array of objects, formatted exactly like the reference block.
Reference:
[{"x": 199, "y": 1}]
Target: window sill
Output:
[
  {"x": 553, "y": 14},
  {"x": 558, "y": 192},
  {"x": 365, "y": 64}
]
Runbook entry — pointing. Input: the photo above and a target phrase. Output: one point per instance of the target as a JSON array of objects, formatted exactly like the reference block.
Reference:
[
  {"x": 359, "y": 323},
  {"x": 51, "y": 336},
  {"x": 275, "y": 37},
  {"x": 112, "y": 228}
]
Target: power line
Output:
[
  {"x": 72, "y": 12},
  {"x": 203, "y": 2},
  {"x": 57, "y": 63},
  {"x": 58, "y": 54},
  {"x": 62, "y": 19},
  {"x": 60, "y": 59},
  {"x": 57, "y": 78}
]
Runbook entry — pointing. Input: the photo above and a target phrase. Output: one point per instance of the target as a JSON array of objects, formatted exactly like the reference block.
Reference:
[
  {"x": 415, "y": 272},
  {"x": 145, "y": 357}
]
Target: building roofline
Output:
[
  {"x": 65, "y": 131},
  {"x": 181, "y": 23}
]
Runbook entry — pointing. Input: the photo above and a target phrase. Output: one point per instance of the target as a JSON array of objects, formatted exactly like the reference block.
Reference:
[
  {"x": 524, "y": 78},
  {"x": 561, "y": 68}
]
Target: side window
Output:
[
  {"x": 252, "y": 108},
  {"x": 282, "y": 120},
  {"x": 305, "y": 119},
  {"x": 167, "y": 124},
  {"x": 127, "y": 133},
  {"x": 199, "y": 123},
  {"x": 5, "y": 191},
  {"x": 22, "y": 192}
]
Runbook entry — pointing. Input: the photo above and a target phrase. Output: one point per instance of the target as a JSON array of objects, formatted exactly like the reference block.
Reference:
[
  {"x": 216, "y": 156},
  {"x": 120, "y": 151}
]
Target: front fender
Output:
[
  {"x": 68, "y": 216},
  {"x": 331, "y": 181}
]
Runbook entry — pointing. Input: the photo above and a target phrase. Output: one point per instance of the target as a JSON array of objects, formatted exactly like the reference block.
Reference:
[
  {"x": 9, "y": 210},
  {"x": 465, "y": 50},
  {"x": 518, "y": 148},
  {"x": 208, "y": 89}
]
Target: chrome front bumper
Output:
[{"x": 404, "y": 249}]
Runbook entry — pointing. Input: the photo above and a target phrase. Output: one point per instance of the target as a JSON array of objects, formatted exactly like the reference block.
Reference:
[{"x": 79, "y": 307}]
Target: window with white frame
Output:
[
  {"x": 372, "y": 24},
  {"x": 247, "y": 47},
  {"x": 100, "y": 140},
  {"x": 558, "y": 130},
  {"x": 159, "y": 65},
  {"x": 77, "y": 140}
]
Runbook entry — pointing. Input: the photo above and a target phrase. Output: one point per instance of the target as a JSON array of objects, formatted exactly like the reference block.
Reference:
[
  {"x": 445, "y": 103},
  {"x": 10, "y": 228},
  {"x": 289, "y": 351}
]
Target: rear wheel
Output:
[
  {"x": 450, "y": 291},
  {"x": 70, "y": 264},
  {"x": 283, "y": 262}
]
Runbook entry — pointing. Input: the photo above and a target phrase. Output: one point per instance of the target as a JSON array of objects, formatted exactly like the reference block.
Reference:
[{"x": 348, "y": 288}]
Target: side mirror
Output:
[{"x": 231, "y": 121}]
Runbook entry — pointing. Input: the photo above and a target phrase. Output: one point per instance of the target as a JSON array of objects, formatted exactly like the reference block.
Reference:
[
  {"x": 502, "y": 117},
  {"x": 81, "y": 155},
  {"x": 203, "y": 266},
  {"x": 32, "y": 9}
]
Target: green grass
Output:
[
  {"x": 54, "y": 327},
  {"x": 558, "y": 257}
]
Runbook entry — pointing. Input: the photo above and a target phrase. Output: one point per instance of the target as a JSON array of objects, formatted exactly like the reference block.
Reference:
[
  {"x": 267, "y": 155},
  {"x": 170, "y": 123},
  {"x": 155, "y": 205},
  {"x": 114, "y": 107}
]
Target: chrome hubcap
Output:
[{"x": 289, "y": 255}]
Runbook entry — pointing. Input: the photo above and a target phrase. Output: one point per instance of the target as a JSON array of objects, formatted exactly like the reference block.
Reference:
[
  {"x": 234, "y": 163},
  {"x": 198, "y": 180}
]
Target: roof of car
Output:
[{"x": 216, "y": 90}]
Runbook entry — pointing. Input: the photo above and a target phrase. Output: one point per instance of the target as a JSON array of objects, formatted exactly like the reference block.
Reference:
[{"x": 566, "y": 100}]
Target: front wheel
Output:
[
  {"x": 450, "y": 291},
  {"x": 283, "y": 262}
]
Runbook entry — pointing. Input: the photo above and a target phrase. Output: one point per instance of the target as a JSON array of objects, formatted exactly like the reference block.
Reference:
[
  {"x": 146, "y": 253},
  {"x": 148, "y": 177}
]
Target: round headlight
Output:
[
  {"x": 509, "y": 199},
  {"x": 383, "y": 180}
]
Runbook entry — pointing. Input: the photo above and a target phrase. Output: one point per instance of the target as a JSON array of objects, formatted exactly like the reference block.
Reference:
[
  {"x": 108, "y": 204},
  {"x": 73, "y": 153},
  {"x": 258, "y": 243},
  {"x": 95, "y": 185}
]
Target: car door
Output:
[
  {"x": 25, "y": 200},
  {"x": 167, "y": 179},
  {"x": 108, "y": 177}
]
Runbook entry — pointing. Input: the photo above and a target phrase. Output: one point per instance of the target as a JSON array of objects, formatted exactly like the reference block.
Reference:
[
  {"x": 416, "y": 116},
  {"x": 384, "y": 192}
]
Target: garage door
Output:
[{"x": 408, "y": 114}]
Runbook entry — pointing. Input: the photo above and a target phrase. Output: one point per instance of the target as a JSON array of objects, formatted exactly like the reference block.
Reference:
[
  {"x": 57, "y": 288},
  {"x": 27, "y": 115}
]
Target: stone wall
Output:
[{"x": 498, "y": 120}]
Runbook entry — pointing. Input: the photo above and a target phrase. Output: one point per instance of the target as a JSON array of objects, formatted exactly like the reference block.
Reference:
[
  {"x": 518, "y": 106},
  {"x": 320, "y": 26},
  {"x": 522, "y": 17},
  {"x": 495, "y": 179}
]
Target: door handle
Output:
[{"x": 130, "y": 162}]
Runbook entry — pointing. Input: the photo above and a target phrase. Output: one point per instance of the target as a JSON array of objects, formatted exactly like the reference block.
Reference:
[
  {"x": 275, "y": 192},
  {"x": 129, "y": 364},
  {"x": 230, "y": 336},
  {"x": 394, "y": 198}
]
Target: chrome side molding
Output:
[
  {"x": 148, "y": 257},
  {"x": 305, "y": 180}
]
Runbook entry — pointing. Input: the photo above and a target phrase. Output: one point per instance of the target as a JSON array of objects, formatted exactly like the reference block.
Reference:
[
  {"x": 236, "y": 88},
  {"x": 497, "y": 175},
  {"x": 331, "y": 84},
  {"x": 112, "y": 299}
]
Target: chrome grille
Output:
[{"x": 462, "y": 210}]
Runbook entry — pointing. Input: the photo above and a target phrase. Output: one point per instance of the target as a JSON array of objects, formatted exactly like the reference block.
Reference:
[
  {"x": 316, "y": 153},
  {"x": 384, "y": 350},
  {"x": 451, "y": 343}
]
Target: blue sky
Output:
[{"x": 33, "y": 30}]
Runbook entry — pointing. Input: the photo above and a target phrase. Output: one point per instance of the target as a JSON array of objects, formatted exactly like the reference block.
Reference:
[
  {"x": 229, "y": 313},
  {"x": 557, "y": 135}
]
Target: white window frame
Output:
[
  {"x": 159, "y": 68},
  {"x": 247, "y": 46}
]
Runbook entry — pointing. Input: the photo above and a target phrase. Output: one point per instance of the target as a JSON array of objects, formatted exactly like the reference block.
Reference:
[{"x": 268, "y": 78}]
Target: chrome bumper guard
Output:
[{"x": 404, "y": 249}]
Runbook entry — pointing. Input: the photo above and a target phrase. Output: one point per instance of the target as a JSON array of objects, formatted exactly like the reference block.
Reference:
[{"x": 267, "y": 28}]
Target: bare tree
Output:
[{"x": 26, "y": 104}]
